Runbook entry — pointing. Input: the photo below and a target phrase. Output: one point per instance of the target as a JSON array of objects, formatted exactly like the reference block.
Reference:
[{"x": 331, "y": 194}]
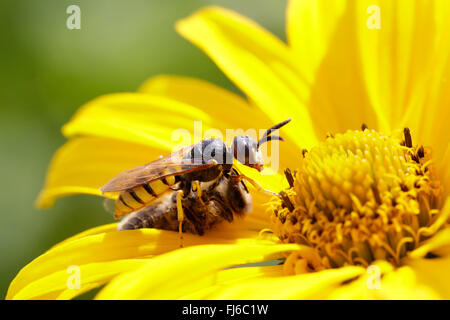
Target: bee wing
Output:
[{"x": 170, "y": 165}]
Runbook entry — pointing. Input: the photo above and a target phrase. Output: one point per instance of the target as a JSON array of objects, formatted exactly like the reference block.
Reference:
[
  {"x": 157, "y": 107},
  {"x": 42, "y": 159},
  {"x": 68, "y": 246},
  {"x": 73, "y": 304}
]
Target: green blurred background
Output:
[{"x": 48, "y": 72}]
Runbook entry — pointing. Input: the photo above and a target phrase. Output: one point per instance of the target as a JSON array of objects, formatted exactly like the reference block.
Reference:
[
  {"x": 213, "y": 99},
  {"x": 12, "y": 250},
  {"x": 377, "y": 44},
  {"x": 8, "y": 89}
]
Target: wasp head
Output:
[{"x": 246, "y": 149}]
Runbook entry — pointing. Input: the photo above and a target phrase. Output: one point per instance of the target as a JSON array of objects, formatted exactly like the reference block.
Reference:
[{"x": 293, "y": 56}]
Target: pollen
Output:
[{"x": 358, "y": 197}]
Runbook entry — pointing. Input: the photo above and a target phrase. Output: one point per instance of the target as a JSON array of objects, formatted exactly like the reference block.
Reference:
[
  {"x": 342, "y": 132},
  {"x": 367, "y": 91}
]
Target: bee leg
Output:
[
  {"x": 180, "y": 216},
  {"x": 255, "y": 184}
]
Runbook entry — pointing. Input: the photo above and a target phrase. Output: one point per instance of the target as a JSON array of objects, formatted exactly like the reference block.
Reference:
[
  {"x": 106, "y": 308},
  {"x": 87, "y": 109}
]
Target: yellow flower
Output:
[{"x": 382, "y": 63}]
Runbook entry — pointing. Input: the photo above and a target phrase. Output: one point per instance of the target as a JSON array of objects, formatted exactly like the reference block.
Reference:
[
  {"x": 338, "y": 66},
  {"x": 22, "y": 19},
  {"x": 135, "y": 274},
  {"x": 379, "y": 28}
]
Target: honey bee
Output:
[{"x": 199, "y": 179}]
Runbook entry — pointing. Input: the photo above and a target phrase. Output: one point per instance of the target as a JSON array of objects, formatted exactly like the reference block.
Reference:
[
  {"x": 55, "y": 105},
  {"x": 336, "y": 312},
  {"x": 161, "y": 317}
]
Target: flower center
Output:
[{"x": 358, "y": 197}]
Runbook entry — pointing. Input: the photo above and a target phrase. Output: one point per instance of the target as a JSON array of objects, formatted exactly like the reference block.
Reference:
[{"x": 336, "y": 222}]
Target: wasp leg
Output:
[
  {"x": 196, "y": 188},
  {"x": 180, "y": 216},
  {"x": 255, "y": 184},
  {"x": 198, "y": 195},
  {"x": 198, "y": 191}
]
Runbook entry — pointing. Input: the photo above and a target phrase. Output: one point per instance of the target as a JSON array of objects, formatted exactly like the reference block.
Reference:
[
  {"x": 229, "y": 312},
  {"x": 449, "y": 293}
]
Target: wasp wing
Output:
[{"x": 172, "y": 164}]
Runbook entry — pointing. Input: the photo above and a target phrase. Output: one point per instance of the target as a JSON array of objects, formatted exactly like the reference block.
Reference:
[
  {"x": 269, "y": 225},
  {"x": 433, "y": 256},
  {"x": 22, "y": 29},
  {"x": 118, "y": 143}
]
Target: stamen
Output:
[
  {"x": 289, "y": 177},
  {"x": 408, "y": 140},
  {"x": 358, "y": 197},
  {"x": 304, "y": 151}
]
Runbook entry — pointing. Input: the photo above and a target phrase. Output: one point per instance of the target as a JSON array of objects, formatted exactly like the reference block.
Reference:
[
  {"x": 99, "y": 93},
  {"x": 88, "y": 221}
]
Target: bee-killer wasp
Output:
[{"x": 202, "y": 179}]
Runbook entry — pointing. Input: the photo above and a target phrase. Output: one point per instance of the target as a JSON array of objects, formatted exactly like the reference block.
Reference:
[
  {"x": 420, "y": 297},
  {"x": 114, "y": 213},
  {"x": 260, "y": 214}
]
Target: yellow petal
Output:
[
  {"x": 322, "y": 35},
  {"x": 438, "y": 244},
  {"x": 84, "y": 164},
  {"x": 305, "y": 286},
  {"x": 268, "y": 179},
  {"x": 161, "y": 278},
  {"x": 94, "y": 247},
  {"x": 400, "y": 283},
  {"x": 63, "y": 285},
  {"x": 428, "y": 109},
  {"x": 444, "y": 171},
  {"x": 359, "y": 288},
  {"x": 221, "y": 105},
  {"x": 206, "y": 286},
  {"x": 106, "y": 228},
  {"x": 311, "y": 24},
  {"x": 68, "y": 294},
  {"x": 433, "y": 273},
  {"x": 385, "y": 53},
  {"x": 257, "y": 62},
  {"x": 404, "y": 47},
  {"x": 134, "y": 117}
]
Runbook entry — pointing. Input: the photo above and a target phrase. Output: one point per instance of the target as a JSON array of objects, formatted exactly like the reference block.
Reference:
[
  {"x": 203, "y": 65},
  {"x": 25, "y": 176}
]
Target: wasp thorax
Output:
[
  {"x": 208, "y": 150},
  {"x": 359, "y": 197}
]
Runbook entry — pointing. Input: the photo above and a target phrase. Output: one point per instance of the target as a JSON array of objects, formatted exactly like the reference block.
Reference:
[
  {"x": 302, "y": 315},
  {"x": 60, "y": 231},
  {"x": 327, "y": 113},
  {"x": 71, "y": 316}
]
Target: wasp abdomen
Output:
[{"x": 138, "y": 197}]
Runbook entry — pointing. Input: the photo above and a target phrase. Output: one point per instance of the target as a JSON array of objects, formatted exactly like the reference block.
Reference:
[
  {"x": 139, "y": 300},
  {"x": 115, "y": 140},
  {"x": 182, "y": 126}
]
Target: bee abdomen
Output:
[
  {"x": 138, "y": 197},
  {"x": 161, "y": 215},
  {"x": 221, "y": 202}
]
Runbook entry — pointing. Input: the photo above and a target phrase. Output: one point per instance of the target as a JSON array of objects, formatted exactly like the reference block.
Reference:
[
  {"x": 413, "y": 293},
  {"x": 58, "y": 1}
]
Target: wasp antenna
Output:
[
  {"x": 277, "y": 126},
  {"x": 265, "y": 136},
  {"x": 269, "y": 138}
]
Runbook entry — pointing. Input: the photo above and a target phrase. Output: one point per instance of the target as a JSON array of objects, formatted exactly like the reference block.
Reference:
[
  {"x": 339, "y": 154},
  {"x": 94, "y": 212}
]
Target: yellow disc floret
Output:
[{"x": 359, "y": 197}]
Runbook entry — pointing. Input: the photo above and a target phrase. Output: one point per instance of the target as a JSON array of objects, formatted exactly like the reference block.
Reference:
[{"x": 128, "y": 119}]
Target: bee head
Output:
[{"x": 246, "y": 149}]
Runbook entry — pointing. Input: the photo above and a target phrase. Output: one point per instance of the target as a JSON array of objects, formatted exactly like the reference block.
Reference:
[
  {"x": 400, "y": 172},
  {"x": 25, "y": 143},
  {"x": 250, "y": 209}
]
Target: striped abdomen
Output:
[{"x": 140, "y": 196}]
